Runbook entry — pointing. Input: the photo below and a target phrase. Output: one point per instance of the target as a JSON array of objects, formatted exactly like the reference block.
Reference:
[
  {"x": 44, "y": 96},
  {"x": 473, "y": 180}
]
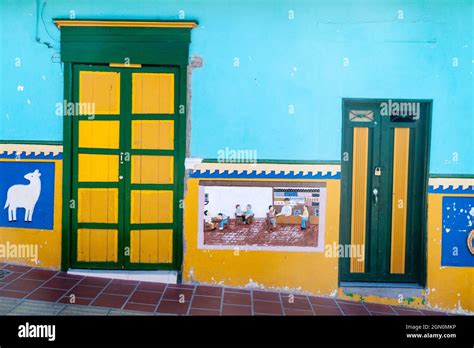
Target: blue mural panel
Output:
[
  {"x": 458, "y": 226},
  {"x": 27, "y": 194}
]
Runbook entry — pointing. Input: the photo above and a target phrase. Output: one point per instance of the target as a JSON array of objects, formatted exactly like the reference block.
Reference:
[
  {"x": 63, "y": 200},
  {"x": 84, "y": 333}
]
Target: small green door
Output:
[
  {"x": 383, "y": 190},
  {"x": 126, "y": 168}
]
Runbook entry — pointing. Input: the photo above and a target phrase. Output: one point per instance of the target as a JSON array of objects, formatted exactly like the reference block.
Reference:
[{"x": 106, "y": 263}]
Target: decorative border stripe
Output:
[
  {"x": 30, "y": 151},
  {"x": 450, "y": 189},
  {"x": 37, "y": 156},
  {"x": 451, "y": 186},
  {"x": 236, "y": 174}
]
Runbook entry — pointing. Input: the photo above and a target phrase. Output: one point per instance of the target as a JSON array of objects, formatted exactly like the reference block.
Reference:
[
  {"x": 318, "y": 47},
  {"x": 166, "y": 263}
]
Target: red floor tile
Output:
[
  {"x": 297, "y": 312},
  {"x": 94, "y": 281},
  {"x": 326, "y": 310},
  {"x": 236, "y": 310},
  {"x": 13, "y": 294},
  {"x": 9, "y": 278},
  {"x": 48, "y": 285},
  {"x": 296, "y": 303},
  {"x": 125, "y": 281},
  {"x": 432, "y": 312},
  {"x": 208, "y": 291},
  {"x": 347, "y": 301},
  {"x": 353, "y": 309},
  {"x": 85, "y": 291},
  {"x": 26, "y": 285},
  {"x": 266, "y": 296},
  {"x": 146, "y": 297},
  {"x": 322, "y": 301},
  {"x": 51, "y": 295},
  {"x": 406, "y": 311},
  {"x": 178, "y": 294},
  {"x": 119, "y": 289},
  {"x": 203, "y": 312},
  {"x": 17, "y": 268},
  {"x": 206, "y": 302},
  {"x": 376, "y": 314},
  {"x": 147, "y": 286},
  {"x": 234, "y": 298},
  {"x": 76, "y": 300},
  {"x": 240, "y": 291},
  {"x": 61, "y": 283},
  {"x": 109, "y": 300},
  {"x": 69, "y": 276},
  {"x": 173, "y": 307},
  {"x": 380, "y": 308},
  {"x": 182, "y": 286},
  {"x": 267, "y": 307},
  {"x": 139, "y": 307},
  {"x": 39, "y": 274},
  {"x": 286, "y": 296}
]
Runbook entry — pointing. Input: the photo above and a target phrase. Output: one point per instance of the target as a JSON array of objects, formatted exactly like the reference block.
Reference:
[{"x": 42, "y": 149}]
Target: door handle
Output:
[
  {"x": 121, "y": 157},
  {"x": 375, "y": 193}
]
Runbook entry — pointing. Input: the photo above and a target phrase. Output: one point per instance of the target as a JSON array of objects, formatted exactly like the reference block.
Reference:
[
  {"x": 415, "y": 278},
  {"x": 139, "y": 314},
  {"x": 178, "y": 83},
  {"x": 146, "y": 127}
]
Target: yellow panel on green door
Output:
[
  {"x": 152, "y": 169},
  {"x": 97, "y": 205},
  {"x": 98, "y": 168},
  {"x": 99, "y": 134},
  {"x": 151, "y": 206},
  {"x": 153, "y": 134},
  {"x": 165, "y": 246},
  {"x": 151, "y": 246},
  {"x": 359, "y": 195},
  {"x": 101, "y": 91},
  {"x": 401, "y": 153},
  {"x": 152, "y": 93},
  {"x": 98, "y": 245}
]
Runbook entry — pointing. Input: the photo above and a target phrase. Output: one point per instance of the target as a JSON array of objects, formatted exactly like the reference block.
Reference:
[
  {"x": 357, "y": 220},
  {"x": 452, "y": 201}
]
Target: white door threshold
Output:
[{"x": 168, "y": 277}]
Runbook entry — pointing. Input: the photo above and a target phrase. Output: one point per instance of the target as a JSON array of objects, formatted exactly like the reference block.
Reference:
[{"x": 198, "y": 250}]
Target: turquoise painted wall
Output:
[{"x": 283, "y": 62}]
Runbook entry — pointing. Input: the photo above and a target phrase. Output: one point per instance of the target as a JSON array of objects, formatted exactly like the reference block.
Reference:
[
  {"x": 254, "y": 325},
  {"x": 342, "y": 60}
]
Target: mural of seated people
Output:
[{"x": 276, "y": 215}]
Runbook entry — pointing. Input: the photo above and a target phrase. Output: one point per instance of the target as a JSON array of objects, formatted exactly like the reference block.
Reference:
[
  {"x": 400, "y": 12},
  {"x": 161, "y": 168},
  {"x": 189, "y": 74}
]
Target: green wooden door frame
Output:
[
  {"x": 163, "y": 46},
  {"x": 375, "y": 244}
]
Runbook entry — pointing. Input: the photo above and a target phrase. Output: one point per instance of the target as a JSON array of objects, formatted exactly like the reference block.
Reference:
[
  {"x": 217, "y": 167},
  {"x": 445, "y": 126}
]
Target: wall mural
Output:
[
  {"x": 27, "y": 195},
  {"x": 264, "y": 215},
  {"x": 458, "y": 232}
]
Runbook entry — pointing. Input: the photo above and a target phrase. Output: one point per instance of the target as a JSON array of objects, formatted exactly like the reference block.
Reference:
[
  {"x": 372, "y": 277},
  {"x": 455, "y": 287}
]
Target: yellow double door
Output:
[{"x": 125, "y": 161}]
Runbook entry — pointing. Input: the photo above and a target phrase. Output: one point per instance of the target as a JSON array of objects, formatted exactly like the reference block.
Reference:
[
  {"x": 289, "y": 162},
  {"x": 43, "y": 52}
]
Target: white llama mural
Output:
[{"x": 24, "y": 196}]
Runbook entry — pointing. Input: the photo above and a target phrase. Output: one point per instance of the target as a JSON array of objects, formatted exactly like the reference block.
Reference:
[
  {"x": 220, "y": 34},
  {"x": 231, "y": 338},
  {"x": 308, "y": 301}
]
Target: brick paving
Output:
[
  {"x": 33, "y": 291},
  {"x": 256, "y": 233}
]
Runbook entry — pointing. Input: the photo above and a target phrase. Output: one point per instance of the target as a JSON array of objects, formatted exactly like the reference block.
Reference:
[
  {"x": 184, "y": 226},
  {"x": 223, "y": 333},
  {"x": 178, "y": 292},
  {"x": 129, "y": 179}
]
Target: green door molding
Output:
[
  {"x": 378, "y": 216},
  {"x": 149, "y": 43}
]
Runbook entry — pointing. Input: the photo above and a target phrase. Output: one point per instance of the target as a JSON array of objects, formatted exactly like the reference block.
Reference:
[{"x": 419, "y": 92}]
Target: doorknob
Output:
[{"x": 375, "y": 193}]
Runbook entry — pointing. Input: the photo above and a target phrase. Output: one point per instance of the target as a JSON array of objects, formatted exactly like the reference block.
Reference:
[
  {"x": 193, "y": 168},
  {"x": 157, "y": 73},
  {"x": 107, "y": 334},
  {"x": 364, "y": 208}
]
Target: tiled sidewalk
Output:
[{"x": 34, "y": 291}]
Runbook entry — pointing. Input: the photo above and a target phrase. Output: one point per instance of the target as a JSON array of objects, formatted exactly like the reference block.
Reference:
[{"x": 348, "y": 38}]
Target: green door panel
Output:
[{"x": 379, "y": 214}]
